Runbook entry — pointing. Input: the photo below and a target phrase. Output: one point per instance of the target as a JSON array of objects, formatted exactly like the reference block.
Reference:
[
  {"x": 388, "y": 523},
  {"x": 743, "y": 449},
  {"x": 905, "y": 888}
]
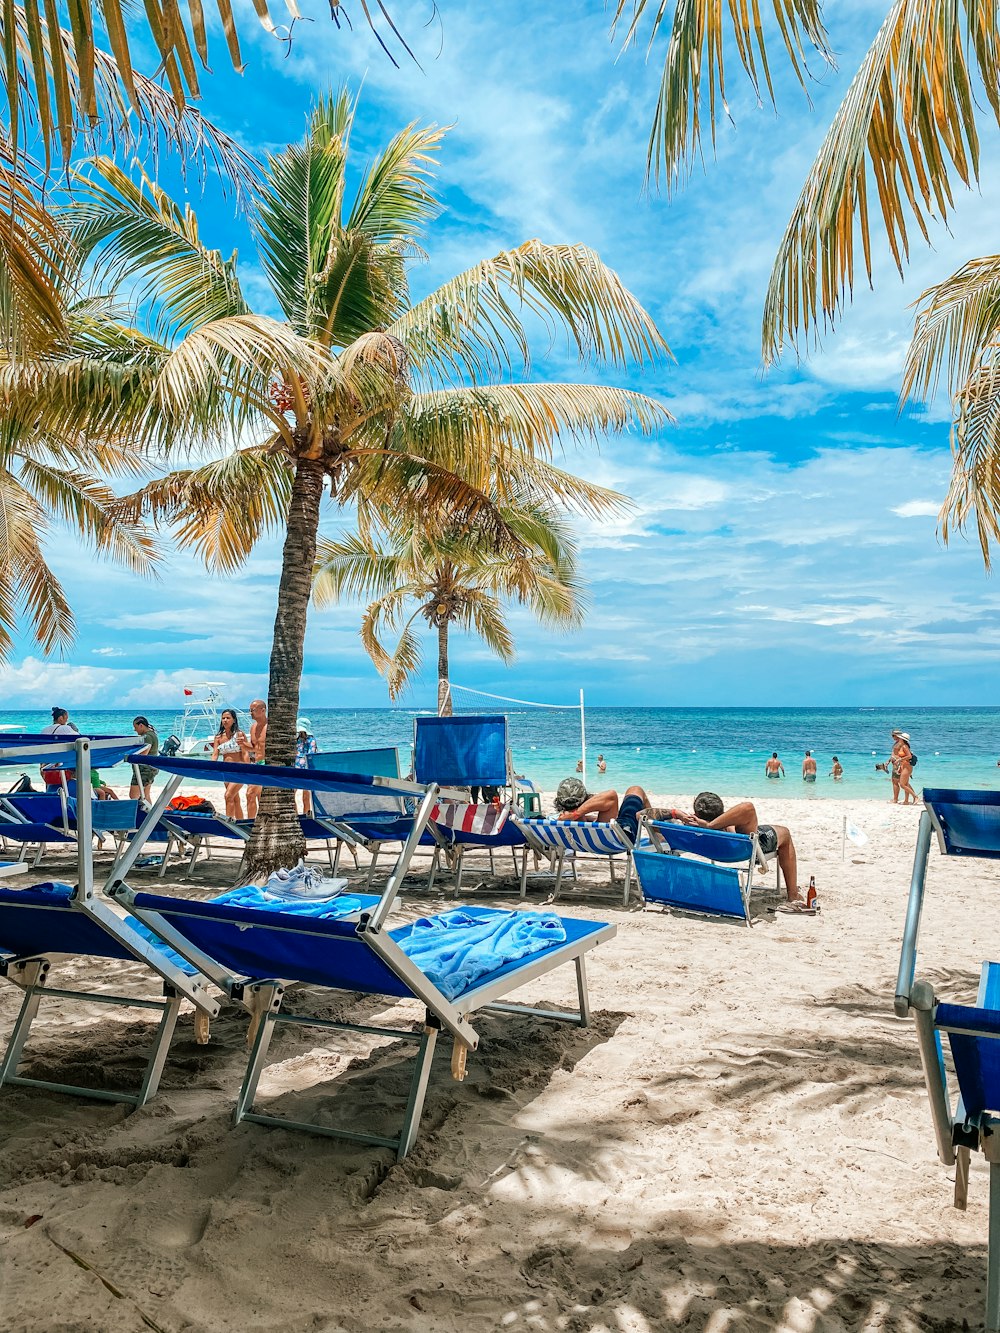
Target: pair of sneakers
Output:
[{"x": 303, "y": 881}]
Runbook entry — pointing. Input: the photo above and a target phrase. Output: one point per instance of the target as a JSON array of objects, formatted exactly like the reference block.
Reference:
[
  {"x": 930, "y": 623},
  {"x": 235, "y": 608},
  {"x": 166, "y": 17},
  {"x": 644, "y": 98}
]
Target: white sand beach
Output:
[{"x": 740, "y": 1141}]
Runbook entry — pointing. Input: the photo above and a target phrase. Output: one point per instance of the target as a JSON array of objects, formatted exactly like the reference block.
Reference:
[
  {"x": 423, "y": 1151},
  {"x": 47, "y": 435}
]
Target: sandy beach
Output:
[{"x": 740, "y": 1141}]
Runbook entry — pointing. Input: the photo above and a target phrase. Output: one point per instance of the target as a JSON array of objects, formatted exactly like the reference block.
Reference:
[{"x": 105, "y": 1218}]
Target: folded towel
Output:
[
  {"x": 458, "y": 947},
  {"x": 333, "y": 908}
]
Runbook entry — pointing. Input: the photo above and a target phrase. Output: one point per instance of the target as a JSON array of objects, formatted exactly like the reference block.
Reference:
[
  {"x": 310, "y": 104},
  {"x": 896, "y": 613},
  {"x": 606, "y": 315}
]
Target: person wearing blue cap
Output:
[{"x": 305, "y": 747}]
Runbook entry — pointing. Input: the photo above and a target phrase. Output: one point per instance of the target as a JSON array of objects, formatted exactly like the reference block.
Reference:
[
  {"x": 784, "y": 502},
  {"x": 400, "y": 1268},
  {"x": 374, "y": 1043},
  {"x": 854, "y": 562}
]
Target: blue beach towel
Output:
[
  {"x": 330, "y": 909},
  {"x": 456, "y": 948}
]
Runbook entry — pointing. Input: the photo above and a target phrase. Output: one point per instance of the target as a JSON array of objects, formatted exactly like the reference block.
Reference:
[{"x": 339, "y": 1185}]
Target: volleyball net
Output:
[{"x": 530, "y": 703}]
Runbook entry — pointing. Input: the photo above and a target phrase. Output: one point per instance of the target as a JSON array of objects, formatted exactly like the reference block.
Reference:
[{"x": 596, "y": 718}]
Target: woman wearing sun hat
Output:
[{"x": 305, "y": 746}]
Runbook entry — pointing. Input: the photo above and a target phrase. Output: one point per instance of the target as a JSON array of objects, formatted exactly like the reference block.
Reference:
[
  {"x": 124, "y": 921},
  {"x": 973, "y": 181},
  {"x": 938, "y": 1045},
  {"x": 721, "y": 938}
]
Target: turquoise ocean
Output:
[{"x": 672, "y": 750}]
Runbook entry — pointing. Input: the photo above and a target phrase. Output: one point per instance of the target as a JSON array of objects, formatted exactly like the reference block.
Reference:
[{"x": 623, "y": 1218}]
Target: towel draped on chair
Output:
[{"x": 456, "y": 948}]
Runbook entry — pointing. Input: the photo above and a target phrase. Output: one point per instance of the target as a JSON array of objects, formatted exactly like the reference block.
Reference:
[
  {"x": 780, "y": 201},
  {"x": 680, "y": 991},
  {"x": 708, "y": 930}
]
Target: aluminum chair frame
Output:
[
  {"x": 30, "y": 972},
  {"x": 562, "y": 856},
  {"x": 956, "y": 1136}
]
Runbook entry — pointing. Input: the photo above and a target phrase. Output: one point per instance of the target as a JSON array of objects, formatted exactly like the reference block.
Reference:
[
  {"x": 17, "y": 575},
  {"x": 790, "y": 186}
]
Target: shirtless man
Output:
[
  {"x": 809, "y": 768},
  {"x": 605, "y": 806},
  {"x": 709, "y": 812},
  {"x": 255, "y": 750},
  {"x": 774, "y": 768}
]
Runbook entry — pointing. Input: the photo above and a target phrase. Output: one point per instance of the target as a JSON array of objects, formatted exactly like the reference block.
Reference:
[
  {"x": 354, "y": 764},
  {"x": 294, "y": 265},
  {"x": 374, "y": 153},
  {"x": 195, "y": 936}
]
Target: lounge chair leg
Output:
[
  {"x": 993, "y": 1257},
  {"x": 371, "y": 868},
  {"x": 628, "y": 880},
  {"x": 336, "y": 856},
  {"x": 582, "y": 993},
  {"x": 202, "y": 1027},
  {"x": 559, "y": 872},
  {"x": 459, "y": 862},
  {"x": 266, "y": 1003},
  {"x": 418, "y": 1091},
  {"x": 524, "y": 870},
  {"x": 33, "y": 981},
  {"x": 194, "y": 853},
  {"x": 160, "y": 1047}
]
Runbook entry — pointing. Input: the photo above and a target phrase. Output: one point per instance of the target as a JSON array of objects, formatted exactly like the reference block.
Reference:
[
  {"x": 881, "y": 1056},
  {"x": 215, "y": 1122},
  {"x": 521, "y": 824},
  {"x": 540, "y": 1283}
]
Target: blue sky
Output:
[{"x": 782, "y": 549}]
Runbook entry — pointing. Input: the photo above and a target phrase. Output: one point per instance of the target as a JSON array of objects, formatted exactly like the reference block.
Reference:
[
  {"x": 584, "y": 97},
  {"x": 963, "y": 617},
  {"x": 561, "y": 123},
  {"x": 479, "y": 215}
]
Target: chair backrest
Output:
[
  {"x": 39, "y": 807},
  {"x": 692, "y": 886},
  {"x": 967, "y": 822},
  {"x": 465, "y": 751},
  {"x": 380, "y": 763},
  {"x": 259, "y": 944},
  {"x": 582, "y": 835},
  {"x": 725, "y": 848},
  {"x": 114, "y": 816}
]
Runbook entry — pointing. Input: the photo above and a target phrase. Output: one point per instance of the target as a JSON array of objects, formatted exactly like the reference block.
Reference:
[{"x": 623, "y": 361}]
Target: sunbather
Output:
[
  {"x": 710, "y": 812},
  {"x": 606, "y": 806}
]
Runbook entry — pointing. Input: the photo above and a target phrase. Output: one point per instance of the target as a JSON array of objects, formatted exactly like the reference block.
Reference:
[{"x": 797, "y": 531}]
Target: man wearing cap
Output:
[{"x": 305, "y": 746}]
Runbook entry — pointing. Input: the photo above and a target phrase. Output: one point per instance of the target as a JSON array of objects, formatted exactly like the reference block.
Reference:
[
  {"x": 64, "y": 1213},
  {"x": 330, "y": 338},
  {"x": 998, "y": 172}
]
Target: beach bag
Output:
[
  {"x": 913, "y": 760},
  {"x": 483, "y": 819},
  {"x": 570, "y": 795},
  {"x": 192, "y": 805}
]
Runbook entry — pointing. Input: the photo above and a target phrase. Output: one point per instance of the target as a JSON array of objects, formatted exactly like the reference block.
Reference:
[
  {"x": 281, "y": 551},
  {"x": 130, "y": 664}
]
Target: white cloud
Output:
[{"x": 918, "y": 509}]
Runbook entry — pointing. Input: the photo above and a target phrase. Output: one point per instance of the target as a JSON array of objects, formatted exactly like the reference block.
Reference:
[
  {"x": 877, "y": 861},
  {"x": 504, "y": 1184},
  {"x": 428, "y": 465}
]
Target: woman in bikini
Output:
[
  {"x": 230, "y": 745},
  {"x": 902, "y": 762}
]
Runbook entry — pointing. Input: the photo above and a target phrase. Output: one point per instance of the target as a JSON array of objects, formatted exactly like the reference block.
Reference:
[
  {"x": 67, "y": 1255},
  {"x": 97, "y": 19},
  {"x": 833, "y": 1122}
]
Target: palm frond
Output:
[
  {"x": 974, "y": 494},
  {"x": 27, "y": 581},
  {"x": 471, "y": 325},
  {"x": 219, "y": 510},
  {"x": 906, "y": 127},
  {"x": 89, "y": 507},
  {"x": 353, "y": 568},
  {"x": 956, "y": 320},
  {"x": 34, "y": 263},
  {"x": 695, "y": 56},
  {"x": 484, "y": 615},
  {"x": 393, "y": 202},
  {"x": 507, "y": 421},
  {"x": 135, "y": 228}
]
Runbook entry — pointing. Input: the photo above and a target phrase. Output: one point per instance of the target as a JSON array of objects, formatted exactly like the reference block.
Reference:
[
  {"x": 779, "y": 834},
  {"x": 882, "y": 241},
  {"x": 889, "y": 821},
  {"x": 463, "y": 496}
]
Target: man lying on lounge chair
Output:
[
  {"x": 709, "y": 812},
  {"x": 605, "y": 806}
]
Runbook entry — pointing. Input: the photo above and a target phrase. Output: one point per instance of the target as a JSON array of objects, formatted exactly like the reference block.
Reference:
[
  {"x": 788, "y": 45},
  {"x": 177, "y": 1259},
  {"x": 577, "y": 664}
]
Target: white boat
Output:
[{"x": 195, "y": 728}]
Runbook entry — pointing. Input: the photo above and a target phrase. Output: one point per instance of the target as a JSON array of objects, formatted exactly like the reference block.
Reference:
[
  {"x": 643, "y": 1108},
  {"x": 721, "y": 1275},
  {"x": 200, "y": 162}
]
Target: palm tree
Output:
[
  {"x": 458, "y": 577},
  {"x": 381, "y": 397},
  {"x": 904, "y": 134}
]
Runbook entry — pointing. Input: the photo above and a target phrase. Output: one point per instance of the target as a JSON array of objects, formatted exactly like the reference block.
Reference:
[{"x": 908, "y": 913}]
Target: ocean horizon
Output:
[{"x": 675, "y": 750}]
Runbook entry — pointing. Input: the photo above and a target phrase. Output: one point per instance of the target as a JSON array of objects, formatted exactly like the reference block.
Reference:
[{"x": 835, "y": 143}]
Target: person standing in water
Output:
[
  {"x": 809, "y": 768},
  {"x": 774, "y": 768},
  {"x": 837, "y": 772}
]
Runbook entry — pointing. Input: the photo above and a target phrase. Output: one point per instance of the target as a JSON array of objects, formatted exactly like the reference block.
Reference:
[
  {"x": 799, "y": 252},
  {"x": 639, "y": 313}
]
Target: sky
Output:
[{"x": 782, "y": 546}]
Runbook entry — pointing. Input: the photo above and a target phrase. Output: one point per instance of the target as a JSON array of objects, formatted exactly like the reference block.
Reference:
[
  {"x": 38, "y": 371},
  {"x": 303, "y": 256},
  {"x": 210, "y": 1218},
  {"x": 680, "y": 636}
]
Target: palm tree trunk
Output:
[
  {"x": 444, "y": 686},
  {"x": 276, "y": 840}
]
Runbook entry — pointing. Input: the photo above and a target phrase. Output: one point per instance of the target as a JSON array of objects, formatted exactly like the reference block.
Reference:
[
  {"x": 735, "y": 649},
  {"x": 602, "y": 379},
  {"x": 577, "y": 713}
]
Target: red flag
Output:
[{"x": 189, "y": 692}]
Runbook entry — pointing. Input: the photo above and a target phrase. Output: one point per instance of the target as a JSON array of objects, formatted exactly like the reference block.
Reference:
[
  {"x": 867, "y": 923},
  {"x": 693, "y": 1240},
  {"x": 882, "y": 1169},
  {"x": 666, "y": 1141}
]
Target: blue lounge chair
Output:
[
  {"x": 375, "y": 820},
  {"x": 567, "y": 840},
  {"x": 252, "y": 955},
  {"x": 252, "y": 948},
  {"x": 966, "y": 823},
  {"x": 697, "y": 870},
  {"x": 39, "y": 819},
  {"x": 198, "y": 832},
  {"x": 469, "y": 750}
]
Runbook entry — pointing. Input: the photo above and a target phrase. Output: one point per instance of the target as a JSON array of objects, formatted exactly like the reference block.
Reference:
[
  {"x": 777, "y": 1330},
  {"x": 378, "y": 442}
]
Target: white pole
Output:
[{"x": 583, "y": 739}]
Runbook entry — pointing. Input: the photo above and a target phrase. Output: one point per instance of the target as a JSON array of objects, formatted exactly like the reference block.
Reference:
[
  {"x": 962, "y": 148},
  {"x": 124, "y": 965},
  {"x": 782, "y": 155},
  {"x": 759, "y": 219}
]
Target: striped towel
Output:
[{"x": 484, "y": 819}]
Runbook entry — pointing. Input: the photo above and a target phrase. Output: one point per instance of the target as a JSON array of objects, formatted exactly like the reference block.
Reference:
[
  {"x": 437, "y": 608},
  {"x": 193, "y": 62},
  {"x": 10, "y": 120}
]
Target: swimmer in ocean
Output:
[
  {"x": 809, "y": 768},
  {"x": 774, "y": 768}
]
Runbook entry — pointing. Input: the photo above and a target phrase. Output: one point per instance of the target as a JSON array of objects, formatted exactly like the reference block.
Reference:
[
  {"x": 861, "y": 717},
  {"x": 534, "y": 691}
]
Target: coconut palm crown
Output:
[
  {"x": 457, "y": 577},
  {"x": 381, "y": 397}
]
